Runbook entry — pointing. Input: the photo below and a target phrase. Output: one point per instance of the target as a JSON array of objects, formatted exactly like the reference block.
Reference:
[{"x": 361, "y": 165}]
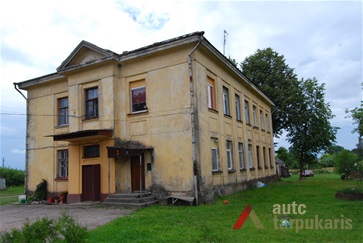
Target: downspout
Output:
[
  {"x": 26, "y": 138},
  {"x": 193, "y": 120}
]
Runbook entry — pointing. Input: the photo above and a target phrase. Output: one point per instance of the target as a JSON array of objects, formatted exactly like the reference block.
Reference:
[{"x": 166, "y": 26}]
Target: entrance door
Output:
[
  {"x": 135, "y": 173},
  {"x": 91, "y": 183}
]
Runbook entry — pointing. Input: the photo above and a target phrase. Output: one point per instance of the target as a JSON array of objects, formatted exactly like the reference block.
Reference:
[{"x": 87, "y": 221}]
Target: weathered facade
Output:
[{"x": 173, "y": 118}]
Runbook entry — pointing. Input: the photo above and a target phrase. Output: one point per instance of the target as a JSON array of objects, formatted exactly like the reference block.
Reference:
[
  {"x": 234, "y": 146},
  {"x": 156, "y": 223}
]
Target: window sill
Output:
[
  {"x": 259, "y": 168},
  {"x": 138, "y": 113},
  {"x": 255, "y": 127},
  {"x": 240, "y": 121},
  {"x": 249, "y": 124},
  {"x": 213, "y": 110},
  {"x": 90, "y": 119},
  {"x": 227, "y": 116},
  {"x": 217, "y": 171},
  {"x": 252, "y": 169},
  {"x": 61, "y": 126},
  {"x": 272, "y": 167},
  {"x": 61, "y": 179},
  {"x": 231, "y": 170},
  {"x": 266, "y": 167},
  {"x": 243, "y": 170}
]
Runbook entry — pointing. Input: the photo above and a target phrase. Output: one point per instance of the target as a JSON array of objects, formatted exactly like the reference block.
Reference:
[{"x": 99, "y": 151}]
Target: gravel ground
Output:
[{"x": 88, "y": 214}]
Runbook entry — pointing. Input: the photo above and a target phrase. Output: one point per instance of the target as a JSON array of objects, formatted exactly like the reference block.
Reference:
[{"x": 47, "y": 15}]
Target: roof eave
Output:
[{"x": 39, "y": 80}]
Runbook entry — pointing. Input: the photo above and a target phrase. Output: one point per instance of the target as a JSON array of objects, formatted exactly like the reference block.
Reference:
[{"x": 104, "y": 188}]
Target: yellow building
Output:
[{"x": 174, "y": 118}]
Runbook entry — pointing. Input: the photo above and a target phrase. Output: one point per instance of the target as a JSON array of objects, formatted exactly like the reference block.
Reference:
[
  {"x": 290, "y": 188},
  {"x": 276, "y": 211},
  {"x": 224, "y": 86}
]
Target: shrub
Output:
[
  {"x": 345, "y": 163},
  {"x": 65, "y": 229},
  {"x": 41, "y": 190},
  {"x": 13, "y": 177}
]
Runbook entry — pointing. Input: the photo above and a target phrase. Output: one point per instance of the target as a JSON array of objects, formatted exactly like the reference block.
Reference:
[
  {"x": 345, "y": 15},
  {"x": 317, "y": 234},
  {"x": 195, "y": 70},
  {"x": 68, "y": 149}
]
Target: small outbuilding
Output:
[
  {"x": 282, "y": 169},
  {"x": 2, "y": 183}
]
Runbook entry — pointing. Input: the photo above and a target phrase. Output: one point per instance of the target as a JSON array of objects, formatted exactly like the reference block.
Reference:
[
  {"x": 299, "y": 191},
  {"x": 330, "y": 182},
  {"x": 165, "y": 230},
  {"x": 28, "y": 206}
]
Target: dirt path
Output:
[{"x": 90, "y": 215}]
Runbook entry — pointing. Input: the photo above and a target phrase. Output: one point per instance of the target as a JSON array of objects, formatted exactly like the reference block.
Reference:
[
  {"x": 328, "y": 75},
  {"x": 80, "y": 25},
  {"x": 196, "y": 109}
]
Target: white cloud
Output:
[{"x": 17, "y": 151}]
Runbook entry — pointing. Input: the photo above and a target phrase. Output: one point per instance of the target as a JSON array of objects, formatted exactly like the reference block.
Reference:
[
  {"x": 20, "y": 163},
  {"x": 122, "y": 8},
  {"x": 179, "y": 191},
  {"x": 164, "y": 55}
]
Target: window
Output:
[
  {"x": 215, "y": 164},
  {"x": 229, "y": 155},
  {"x": 238, "y": 108},
  {"x": 262, "y": 124},
  {"x": 91, "y": 103},
  {"x": 138, "y": 99},
  {"x": 62, "y": 156},
  {"x": 63, "y": 111},
  {"x": 267, "y": 123},
  {"x": 258, "y": 157},
  {"x": 269, "y": 157},
  {"x": 241, "y": 160},
  {"x": 226, "y": 101},
  {"x": 247, "y": 110},
  {"x": 250, "y": 155},
  {"x": 255, "y": 116},
  {"x": 91, "y": 151},
  {"x": 264, "y": 157},
  {"x": 211, "y": 94}
]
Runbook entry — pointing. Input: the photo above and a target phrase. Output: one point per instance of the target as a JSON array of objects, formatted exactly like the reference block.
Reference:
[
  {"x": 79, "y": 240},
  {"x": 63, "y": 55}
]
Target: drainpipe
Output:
[
  {"x": 193, "y": 120},
  {"x": 26, "y": 142}
]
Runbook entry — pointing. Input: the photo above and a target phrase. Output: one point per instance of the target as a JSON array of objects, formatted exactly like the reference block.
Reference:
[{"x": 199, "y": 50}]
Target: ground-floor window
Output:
[
  {"x": 62, "y": 156},
  {"x": 215, "y": 163}
]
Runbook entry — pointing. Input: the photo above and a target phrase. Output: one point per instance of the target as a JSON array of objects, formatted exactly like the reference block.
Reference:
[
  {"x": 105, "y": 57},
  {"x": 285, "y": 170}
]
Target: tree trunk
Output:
[{"x": 301, "y": 165}]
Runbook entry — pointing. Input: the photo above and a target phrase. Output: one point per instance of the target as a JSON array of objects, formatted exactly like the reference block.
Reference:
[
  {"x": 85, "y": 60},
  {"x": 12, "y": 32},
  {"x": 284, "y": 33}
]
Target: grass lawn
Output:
[
  {"x": 10, "y": 195},
  {"x": 326, "y": 219}
]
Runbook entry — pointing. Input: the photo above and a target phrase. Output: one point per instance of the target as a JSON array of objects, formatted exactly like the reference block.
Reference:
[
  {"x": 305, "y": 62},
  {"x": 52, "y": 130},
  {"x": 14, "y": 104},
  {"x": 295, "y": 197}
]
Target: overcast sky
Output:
[{"x": 318, "y": 39}]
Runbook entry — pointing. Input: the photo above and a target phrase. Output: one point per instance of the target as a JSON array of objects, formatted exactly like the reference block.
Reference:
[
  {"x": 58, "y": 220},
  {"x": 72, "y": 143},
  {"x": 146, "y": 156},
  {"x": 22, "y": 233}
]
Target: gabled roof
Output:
[{"x": 86, "y": 53}]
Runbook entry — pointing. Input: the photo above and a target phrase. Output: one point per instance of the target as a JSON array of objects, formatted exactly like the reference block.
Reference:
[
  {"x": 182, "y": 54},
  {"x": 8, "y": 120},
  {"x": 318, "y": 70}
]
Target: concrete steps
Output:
[{"x": 132, "y": 200}]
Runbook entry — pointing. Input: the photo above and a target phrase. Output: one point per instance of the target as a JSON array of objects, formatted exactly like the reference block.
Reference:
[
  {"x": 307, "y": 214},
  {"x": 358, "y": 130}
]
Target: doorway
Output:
[
  {"x": 91, "y": 183},
  {"x": 137, "y": 173}
]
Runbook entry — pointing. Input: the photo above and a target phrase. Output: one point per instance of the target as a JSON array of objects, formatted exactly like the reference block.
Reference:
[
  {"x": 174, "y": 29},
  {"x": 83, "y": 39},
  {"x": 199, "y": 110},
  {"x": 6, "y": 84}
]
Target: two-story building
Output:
[{"x": 172, "y": 118}]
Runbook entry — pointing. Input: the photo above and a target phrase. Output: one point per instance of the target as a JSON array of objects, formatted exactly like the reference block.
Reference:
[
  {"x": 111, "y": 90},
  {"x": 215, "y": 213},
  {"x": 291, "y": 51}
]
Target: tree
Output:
[
  {"x": 327, "y": 160},
  {"x": 268, "y": 71},
  {"x": 357, "y": 115},
  {"x": 284, "y": 155},
  {"x": 309, "y": 129},
  {"x": 345, "y": 163}
]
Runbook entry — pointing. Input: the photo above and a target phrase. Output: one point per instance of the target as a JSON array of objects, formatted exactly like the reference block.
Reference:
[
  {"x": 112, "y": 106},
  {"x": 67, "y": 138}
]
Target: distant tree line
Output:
[{"x": 13, "y": 177}]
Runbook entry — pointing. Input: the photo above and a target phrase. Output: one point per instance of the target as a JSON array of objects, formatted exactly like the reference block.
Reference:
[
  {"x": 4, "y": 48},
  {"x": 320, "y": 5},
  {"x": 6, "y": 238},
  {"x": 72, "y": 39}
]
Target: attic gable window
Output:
[{"x": 91, "y": 103}]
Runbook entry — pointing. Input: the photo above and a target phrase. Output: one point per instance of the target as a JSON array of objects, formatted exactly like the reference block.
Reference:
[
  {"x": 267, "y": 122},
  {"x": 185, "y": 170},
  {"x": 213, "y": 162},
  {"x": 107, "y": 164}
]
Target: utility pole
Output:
[
  {"x": 224, "y": 41},
  {"x": 3, "y": 162}
]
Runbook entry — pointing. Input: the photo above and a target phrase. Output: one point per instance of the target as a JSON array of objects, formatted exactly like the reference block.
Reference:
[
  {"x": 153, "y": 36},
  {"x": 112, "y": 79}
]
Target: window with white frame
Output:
[
  {"x": 238, "y": 107},
  {"x": 255, "y": 116},
  {"x": 262, "y": 124},
  {"x": 211, "y": 94},
  {"x": 138, "y": 99},
  {"x": 241, "y": 158},
  {"x": 247, "y": 112},
  {"x": 215, "y": 163},
  {"x": 267, "y": 123},
  {"x": 250, "y": 161},
  {"x": 62, "y": 157},
  {"x": 226, "y": 101},
  {"x": 229, "y": 155}
]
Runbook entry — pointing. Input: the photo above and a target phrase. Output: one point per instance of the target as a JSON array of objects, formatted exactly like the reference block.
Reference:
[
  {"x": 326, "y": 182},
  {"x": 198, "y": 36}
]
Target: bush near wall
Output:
[{"x": 13, "y": 177}]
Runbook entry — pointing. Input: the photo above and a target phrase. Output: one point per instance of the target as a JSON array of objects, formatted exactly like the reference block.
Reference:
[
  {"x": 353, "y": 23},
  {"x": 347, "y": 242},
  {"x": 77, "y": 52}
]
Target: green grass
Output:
[
  {"x": 214, "y": 222},
  {"x": 10, "y": 195}
]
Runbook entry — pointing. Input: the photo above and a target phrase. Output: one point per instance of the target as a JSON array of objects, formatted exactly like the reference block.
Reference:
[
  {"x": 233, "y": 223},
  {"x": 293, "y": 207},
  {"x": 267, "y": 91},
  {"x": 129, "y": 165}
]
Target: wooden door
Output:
[
  {"x": 135, "y": 173},
  {"x": 91, "y": 183}
]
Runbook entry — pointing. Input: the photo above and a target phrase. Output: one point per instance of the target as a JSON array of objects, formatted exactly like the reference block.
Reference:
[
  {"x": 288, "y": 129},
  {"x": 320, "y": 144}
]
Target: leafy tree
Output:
[
  {"x": 345, "y": 162},
  {"x": 357, "y": 115},
  {"x": 359, "y": 149},
  {"x": 233, "y": 61},
  {"x": 309, "y": 130},
  {"x": 284, "y": 155},
  {"x": 335, "y": 149},
  {"x": 13, "y": 177},
  {"x": 327, "y": 160},
  {"x": 269, "y": 72}
]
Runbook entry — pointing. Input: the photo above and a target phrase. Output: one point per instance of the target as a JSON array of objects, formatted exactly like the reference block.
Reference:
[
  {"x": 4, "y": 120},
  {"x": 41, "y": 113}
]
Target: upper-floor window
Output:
[
  {"x": 255, "y": 116},
  {"x": 229, "y": 155},
  {"x": 238, "y": 107},
  {"x": 91, "y": 151},
  {"x": 62, "y": 157},
  {"x": 226, "y": 101},
  {"x": 63, "y": 111},
  {"x": 240, "y": 153},
  {"x": 267, "y": 123},
  {"x": 262, "y": 124},
  {"x": 211, "y": 94},
  {"x": 247, "y": 111},
  {"x": 91, "y": 103},
  {"x": 138, "y": 99}
]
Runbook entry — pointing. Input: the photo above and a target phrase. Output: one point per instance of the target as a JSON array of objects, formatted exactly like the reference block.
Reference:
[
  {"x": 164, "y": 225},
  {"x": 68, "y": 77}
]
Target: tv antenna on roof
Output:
[{"x": 224, "y": 41}]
